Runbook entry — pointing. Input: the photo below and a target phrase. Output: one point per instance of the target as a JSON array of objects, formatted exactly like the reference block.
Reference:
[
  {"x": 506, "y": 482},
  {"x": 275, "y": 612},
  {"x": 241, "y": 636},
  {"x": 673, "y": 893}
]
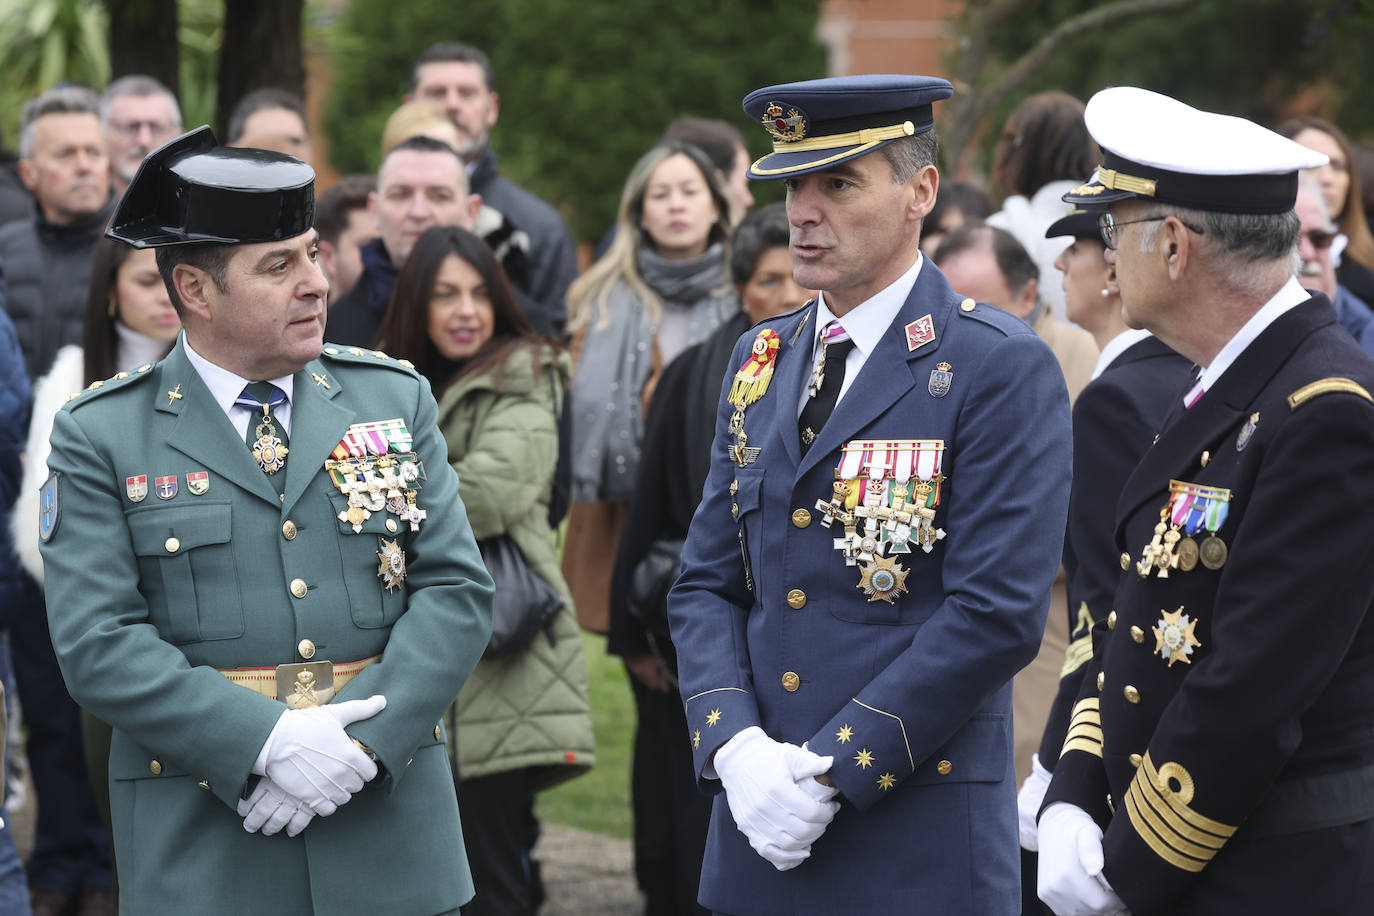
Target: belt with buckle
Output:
[{"x": 299, "y": 685}]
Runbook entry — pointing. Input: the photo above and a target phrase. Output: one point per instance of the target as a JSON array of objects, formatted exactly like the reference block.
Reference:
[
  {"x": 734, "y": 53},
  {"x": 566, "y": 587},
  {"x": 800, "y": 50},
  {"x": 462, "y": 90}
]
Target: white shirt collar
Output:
[
  {"x": 1116, "y": 346},
  {"x": 867, "y": 322},
  {"x": 1291, "y": 294},
  {"x": 225, "y": 386}
]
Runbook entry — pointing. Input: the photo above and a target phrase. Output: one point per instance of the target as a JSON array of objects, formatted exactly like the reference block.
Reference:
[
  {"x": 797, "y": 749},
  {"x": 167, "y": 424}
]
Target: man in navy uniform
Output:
[
  {"x": 1220, "y": 755},
  {"x": 261, "y": 574},
  {"x": 872, "y": 557}
]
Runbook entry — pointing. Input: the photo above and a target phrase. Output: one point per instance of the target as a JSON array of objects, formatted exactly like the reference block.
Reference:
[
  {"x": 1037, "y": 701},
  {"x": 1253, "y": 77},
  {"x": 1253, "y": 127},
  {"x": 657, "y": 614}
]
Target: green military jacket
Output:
[{"x": 150, "y": 592}]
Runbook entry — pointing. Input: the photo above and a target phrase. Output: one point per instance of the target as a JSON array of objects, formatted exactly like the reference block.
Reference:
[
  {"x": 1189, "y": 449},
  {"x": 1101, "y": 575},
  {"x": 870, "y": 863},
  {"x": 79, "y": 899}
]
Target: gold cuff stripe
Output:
[
  {"x": 1161, "y": 849},
  {"x": 1158, "y": 786},
  {"x": 854, "y": 138},
  {"x": 909, "y": 758},
  {"x": 1326, "y": 386},
  {"x": 1082, "y": 744},
  {"x": 1173, "y": 829},
  {"x": 1111, "y": 178},
  {"x": 1079, "y": 653},
  {"x": 1086, "y": 730},
  {"x": 715, "y": 690}
]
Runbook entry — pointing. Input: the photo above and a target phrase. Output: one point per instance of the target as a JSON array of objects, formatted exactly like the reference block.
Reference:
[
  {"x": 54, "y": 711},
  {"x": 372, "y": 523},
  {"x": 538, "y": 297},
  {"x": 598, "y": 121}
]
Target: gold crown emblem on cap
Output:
[{"x": 786, "y": 125}]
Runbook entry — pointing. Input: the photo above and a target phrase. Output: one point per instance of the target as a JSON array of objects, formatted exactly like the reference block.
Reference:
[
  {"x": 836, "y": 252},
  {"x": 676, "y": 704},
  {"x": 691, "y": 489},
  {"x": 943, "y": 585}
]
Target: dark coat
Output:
[
  {"x": 1236, "y": 773},
  {"x": 14, "y": 420}
]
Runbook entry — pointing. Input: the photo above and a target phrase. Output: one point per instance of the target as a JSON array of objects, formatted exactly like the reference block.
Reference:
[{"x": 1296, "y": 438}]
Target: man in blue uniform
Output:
[
  {"x": 261, "y": 574},
  {"x": 1220, "y": 755},
  {"x": 872, "y": 557}
]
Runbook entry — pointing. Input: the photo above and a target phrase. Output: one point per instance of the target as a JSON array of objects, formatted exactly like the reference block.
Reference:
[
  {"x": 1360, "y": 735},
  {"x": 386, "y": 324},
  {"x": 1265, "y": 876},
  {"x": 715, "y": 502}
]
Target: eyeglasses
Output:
[
  {"x": 1108, "y": 226},
  {"x": 1320, "y": 239},
  {"x": 130, "y": 130}
]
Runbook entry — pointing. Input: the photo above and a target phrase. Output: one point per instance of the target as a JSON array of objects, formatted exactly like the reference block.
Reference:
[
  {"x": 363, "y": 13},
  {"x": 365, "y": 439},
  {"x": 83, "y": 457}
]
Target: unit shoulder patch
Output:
[{"x": 1332, "y": 385}]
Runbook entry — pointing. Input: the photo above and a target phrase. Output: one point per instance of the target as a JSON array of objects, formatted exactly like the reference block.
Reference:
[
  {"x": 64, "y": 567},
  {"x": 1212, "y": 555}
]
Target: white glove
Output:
[
  {"x": 268, "y": 808},
  {"x": 1070, "y": 879},
  {"x": 1028, "y": 802},
  {"x": 309, "y": 755},
  {"x": 761, "y": 779}
]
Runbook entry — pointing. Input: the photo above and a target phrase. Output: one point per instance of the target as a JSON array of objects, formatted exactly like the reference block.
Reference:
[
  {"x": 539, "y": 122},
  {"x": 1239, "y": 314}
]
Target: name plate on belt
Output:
[{"x": 306, "y": 684}]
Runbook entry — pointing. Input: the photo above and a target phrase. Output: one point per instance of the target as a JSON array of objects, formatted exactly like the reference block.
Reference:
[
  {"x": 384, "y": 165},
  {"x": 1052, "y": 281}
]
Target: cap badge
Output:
[{"x": 786, "y": 126}]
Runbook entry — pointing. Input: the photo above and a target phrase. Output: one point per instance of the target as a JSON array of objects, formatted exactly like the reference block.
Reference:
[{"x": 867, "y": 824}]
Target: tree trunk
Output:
[
  {"x": 261, "y": 48},
  {"x": 143, "y": 39}
]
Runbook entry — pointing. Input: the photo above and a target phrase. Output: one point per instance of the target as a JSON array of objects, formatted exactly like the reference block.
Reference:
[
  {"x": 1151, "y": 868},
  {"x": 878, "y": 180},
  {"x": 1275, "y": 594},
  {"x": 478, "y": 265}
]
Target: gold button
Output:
[
  {"x": 391, "y": 525},
  {"x": 967, "y": 305},
  {"x": 288, "y": 530},
  {"x": 943, "y": 767},
  {"x": 156, "y": 767},
  {"x": 1101, "y": 679},
  {"x": 1206, "y": 457},
  {"x": 1111, "y": 620},
  {"x": 1137, "y": 634},
  {"x": 1135, "y": 760},
  {"x": 306, "y": 648},
  {"x": 332, "y": 351},
  {"x": 437, "y": 733},
  {"x": 797, "y": 598},
  {"x": 734, "y": 510},
  {"x": 1125, "y": 561},
  {"x": 801, "y": 518},
  {"x": 204, "y": 784},
  {"x": 298, "y": 587},
  {"x": 172, "y": 545},
  {"x": 790, "y": 682},
  {"x": 1132, "y": 695}
]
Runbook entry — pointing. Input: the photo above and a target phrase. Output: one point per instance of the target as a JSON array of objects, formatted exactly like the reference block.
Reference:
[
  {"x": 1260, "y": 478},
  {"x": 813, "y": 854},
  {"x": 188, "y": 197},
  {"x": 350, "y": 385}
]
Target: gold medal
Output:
[
  {"x": 268, "y": 450},
  {"x": 882, "y": 580},
  {"x": 1212, "y": 552},
  {"x": 1187, "y": 554}
]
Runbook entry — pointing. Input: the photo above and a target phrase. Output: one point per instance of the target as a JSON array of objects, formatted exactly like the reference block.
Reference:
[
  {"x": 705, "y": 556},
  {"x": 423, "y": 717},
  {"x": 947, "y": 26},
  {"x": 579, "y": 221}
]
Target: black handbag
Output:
[
  {"x": 647, "y": 601},
  {"x": 523, "y": 605}
]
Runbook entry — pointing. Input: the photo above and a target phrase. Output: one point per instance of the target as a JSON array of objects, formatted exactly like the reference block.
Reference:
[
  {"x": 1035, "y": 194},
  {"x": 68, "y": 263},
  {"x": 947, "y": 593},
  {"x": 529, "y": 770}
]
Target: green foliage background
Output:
[{"x": 586, "y": 85}]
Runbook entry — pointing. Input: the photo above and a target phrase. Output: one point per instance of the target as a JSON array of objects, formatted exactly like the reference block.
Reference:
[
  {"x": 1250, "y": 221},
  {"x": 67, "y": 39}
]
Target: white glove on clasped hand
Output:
[
  {"x": 1028, "y": 802},
  {"x": 268, "y": 808},
  {"x": 309, "y": 755},
  {"x": 1070, "y": 877},
  {"x": 778, "y": 817}
]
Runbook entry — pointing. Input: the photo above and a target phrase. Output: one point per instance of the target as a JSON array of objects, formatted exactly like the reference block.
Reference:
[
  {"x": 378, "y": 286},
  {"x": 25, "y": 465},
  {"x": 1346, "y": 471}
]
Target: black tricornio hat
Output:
[{"x": 190, "y": 189}]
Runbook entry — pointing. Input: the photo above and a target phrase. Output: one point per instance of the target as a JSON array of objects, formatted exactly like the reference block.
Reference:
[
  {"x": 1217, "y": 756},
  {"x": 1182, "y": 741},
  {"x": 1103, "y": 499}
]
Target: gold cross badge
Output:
[
  {"x": 174, "y": 395},
  {"x": 320, "y": 380}
]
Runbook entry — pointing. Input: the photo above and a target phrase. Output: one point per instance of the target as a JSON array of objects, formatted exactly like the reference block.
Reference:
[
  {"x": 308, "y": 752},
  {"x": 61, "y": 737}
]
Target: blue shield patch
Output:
[
  {"x": 49, "y": 509},
  {"x": 941, "y": 378}
]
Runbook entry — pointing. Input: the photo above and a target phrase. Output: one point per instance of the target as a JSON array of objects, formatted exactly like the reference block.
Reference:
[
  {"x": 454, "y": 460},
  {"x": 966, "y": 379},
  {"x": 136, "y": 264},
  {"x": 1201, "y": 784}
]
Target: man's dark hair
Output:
[
  {"x": 211, "y": 257},
  {"x": 1013, "y": 261},
  {"x": 908, "y": 155},
  {"x": 263, "y": 100},
  {"x": 717, "y": 139},
  {"x": 762, "y": 229},
  {"x": 453, "y": 52},
  {"x": 421, "y": 144},
  {"x": 333, "y": 207}
]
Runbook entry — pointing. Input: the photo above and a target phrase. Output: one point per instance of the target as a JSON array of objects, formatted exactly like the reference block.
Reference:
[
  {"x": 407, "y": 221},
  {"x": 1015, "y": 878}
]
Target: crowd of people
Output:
[{"x": 980, "y": 406}]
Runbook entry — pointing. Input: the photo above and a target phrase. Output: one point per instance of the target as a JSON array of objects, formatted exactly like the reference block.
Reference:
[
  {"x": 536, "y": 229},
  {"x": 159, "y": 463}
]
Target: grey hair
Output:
[
  {"x": 908, "y": 155},
  {"x": 62, "y": 100},
  {"x": 1245, "y": 251},
  {"x": 142, "y": 86}
]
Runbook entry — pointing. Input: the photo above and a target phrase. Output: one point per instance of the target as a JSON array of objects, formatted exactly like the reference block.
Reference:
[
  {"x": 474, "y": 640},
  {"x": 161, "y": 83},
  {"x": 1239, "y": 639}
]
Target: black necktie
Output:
[{"x": 819, "y": 407}]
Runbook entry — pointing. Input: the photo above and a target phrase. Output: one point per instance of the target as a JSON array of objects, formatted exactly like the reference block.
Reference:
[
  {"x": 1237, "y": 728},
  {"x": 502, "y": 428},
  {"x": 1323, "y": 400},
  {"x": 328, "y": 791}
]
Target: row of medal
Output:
[
  {"x": 136, "y": 487},
  {"x": 1192, "y": 509}
]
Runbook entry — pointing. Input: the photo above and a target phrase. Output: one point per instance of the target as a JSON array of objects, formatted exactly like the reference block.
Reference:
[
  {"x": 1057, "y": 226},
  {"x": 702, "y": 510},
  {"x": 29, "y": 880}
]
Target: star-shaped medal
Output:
[
  {"x": 1174, "y": 639},
  {"x": 882, "y": 579}
]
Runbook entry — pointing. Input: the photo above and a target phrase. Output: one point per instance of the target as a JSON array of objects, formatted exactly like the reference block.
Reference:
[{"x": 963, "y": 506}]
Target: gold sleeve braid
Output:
[
  {"x": 1085, "y": 728},
  {"x": 1159, "y": 806}
]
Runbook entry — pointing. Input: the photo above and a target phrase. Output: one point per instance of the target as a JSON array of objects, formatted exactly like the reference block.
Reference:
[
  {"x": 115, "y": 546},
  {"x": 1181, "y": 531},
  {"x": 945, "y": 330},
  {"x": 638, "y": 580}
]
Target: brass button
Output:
[
  {"x": 1206, "y": 457},
  {"x": 1132, "y": 695},
  {"x": 1101, "y": 679},
  {"x": 156, "y": 767},
  {"x": 1135, "y": 760},
  {"x": 306, "y": 648},
  {"x": 1111, "y": 620},
  {"x": 790, "y": 682},
  {"x": 734, "y": 510},
  {"x": 298, "y": 588},
  {"x": 1137, "y": 634},
  {"x": 797, "y": 598},
  {"x": 967, "y": 305},
  {"x": 801, "y": 518},
  {"x": 332, "y": 351},
  {"x": 1125, "y": 561},
  {"x": 437, "y": 733},
  {"x": 943, "y": 767},
  {"x": 288, "y": 530},
  {"x": 172, "y": 545},
  {"x": 391, "y": 525},
  {"x": 204, "y": 784}
]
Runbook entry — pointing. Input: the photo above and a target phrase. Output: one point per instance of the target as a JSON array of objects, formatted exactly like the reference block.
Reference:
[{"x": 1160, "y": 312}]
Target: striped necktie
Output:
[{"x": 266, "y": 439}]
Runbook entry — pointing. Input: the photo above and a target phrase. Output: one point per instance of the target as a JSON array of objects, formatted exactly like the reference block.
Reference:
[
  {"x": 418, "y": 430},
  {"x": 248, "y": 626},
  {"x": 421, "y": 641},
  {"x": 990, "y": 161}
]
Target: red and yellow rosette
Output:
[{"x": 751, "y": 381}]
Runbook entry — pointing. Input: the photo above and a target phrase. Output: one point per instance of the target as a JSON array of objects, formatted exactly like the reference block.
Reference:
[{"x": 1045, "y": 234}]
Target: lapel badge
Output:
[
  {"x": 919, "y": 333},
  {"x": 742, "y": 453},
  {"x": 392, "y": 567},
  {"x": 198, "y": 482},
  {"x": 1246, "y": 431},
  {"x": 1174, "y": 637},
  {"x": 787, "y": 126},
  {"x": 941, "y": 378},
  {"x": 48, "y": 509},
  {"x": 174, "y": 394},
  {"x": 136, "y": 488},
  {"x": 166, "y": 487}
]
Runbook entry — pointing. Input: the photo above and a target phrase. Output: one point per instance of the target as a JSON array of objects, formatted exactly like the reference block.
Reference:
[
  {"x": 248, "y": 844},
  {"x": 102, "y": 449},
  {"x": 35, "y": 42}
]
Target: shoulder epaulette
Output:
[
  {"x": 783, "y": 316},
  {"x": 358, "y": 355},
  {"x": 1327, "y": 386},
  {"x": 116, "y": 382},
  {"x": 1000, "y": 319}
]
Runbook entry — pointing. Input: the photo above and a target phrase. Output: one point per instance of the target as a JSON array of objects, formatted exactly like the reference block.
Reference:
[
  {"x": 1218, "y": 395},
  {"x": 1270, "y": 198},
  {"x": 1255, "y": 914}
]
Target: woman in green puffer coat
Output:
[{"x": 523, "y": 721}]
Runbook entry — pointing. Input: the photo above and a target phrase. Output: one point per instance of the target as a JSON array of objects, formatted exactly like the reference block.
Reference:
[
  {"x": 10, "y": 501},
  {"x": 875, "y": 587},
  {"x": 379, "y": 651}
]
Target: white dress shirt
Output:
[
  {"x": 1291, "y": 294},
  {"x": 225, "y": 387}
]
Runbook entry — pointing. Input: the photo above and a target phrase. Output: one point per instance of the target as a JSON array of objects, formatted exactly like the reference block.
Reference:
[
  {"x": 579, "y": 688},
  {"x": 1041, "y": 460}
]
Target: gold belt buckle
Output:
[{"x": 306, "y": 684}]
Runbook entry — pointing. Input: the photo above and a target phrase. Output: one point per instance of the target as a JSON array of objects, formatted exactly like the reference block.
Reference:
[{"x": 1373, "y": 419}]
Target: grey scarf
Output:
[{"x": 617, "y": 358}]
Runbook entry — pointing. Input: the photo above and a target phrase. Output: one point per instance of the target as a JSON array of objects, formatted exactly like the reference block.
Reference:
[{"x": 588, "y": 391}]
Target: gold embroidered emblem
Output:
[
  {"x": 886, "y": 781},
  {"x": 844, "y": 734},
  {"x": 787, "y": 126},
  {"x": 713, "y": 718},
  {"x": 864, "y": 758}
]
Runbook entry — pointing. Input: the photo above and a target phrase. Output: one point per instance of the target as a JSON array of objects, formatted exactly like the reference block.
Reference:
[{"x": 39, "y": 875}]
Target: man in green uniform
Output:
[{"x": 261, "y": 574}]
